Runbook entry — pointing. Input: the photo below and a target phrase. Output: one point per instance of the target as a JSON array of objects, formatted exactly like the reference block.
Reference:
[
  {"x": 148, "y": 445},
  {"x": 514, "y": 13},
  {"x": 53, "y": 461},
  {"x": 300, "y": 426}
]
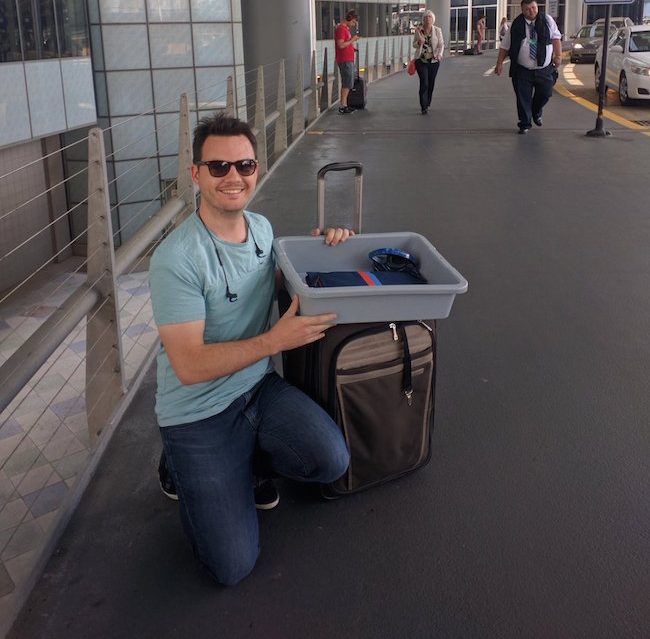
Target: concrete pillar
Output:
[
  {"x": 573, "y": 17},
  {"x": 372, "y": 21},
  {"x": 275, "y": 30},
  {"x": 442, "y": 12}
]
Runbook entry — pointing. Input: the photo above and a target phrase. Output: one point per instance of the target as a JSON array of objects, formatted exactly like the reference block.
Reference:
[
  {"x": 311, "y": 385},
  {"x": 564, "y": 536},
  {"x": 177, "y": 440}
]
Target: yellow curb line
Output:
[{"x": 606, "y": 112}]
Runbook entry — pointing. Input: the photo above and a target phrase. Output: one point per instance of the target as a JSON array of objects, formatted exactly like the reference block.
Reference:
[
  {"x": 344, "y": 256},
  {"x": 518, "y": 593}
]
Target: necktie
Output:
[{"x": 532, "y": 41}]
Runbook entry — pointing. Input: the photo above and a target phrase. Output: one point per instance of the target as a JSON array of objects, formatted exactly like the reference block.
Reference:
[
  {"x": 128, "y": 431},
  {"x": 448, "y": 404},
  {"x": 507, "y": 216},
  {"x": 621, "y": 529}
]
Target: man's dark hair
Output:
[
  {"x": 223, "y": 126},
  {"x": 523, "y": 2},
  {"x": 351, "y": 15}
]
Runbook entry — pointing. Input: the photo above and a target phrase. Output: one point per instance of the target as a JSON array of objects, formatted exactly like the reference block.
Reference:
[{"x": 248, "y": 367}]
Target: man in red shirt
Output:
[{"x": 345, "y": 56}]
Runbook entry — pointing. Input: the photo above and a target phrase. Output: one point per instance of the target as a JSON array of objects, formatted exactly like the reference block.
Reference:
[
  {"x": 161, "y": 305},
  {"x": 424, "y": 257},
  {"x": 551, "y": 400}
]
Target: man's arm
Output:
[
  {"x": 557, "y": 52},
  {"x": 556, "y": 41},
  {"x": 343, "y": 42},
  {"x": 504, "y": 52},
  {"x": 195, "y": 361},
  {"x": 498, "y": 67}
]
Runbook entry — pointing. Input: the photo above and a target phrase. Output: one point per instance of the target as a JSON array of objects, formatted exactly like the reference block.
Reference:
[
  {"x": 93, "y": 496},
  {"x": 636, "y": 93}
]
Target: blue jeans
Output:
[
  {"x": 427, "y": 72},
  {"x": 211, "y": 462}
]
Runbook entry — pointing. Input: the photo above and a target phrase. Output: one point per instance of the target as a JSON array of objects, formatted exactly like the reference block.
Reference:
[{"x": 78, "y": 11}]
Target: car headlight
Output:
[
  {"x": 640, "y": 70},
  {"x": 577, "y": 45}
]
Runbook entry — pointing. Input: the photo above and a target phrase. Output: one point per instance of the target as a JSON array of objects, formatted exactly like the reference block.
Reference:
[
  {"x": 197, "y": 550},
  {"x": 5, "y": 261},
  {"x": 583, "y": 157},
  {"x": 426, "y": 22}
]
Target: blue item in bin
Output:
[
  {"x": 392, "y": 259},
  {"x": 395, "y": 260},
  {"x": 362, "y": 278}
]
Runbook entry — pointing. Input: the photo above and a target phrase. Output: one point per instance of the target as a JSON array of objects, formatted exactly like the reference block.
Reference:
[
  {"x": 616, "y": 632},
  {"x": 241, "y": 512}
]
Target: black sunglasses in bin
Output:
[{"x": 221, "y": 168}]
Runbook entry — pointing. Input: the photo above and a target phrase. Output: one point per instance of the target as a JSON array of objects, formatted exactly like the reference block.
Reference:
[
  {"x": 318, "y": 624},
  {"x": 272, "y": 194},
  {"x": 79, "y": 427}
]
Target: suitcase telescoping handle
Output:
[{"x": 358, "y": 185}]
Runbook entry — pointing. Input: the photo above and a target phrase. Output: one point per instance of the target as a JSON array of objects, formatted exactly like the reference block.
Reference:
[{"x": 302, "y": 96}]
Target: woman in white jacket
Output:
[{"x": 428, "y": 41}]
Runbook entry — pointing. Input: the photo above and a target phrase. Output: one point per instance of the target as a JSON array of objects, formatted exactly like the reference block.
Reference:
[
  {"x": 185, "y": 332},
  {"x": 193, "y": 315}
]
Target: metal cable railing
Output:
[{"x": 64, "y": 374}]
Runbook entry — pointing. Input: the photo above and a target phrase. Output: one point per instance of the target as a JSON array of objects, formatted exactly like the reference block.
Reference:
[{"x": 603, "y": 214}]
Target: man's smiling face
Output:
[{"x": 229, "y": 194}]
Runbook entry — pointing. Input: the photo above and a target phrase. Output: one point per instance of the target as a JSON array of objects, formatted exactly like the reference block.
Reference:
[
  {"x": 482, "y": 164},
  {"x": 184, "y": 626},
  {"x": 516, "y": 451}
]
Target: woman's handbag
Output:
[{"x": 411, "y": 67}]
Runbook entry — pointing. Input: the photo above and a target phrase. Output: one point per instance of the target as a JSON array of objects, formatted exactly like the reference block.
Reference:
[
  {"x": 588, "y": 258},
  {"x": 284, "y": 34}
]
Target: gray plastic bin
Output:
[{"x": 298, "y": 255}]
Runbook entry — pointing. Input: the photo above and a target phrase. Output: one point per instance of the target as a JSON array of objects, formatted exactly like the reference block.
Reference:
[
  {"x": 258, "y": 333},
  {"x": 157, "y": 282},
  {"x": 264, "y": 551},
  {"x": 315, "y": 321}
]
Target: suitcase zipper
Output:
[{"x": 407, "y": 384}]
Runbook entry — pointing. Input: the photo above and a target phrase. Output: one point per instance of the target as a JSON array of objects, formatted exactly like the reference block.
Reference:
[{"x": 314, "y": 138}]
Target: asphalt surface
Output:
[
  {"x": 532, "y": 519},
  {"x": 579, "y": 79}
]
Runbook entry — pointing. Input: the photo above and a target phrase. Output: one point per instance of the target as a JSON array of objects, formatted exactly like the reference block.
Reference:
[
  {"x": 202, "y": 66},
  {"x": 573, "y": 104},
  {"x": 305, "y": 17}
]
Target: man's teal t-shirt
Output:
[{"x": 188, "y": 284}]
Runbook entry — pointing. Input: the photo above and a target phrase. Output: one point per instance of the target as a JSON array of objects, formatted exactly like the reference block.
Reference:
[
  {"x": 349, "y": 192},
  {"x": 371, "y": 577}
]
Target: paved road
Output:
[{"x": 579, "y": 80}]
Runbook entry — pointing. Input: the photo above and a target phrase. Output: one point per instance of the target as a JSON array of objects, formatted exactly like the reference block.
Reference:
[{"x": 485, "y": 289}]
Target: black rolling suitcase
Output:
[
  {"x": 357, "y": 95},
  {"x": 376, "y": 380}
]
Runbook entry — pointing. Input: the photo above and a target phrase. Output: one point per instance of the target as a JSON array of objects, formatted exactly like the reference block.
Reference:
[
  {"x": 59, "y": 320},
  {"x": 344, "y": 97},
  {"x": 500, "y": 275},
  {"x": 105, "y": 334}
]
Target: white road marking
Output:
[
  {"x": 568, "y": 74},
  {"x": 490, "y": 71}
]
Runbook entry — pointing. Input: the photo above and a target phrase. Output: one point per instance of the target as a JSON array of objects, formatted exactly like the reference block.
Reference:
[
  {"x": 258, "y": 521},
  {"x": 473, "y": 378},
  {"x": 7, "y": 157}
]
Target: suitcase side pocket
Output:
[{"x": 386, "y": 428}]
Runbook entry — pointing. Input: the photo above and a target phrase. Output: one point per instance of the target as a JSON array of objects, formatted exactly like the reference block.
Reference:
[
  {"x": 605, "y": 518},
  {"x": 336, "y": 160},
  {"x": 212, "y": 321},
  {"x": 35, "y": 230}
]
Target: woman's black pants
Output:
[{"x": 427, "y": 72}]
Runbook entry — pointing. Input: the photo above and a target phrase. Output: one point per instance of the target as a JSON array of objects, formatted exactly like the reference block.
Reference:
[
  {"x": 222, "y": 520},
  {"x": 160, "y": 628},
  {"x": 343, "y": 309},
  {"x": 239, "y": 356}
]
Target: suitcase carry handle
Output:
[{"x": 358, "y": 185}]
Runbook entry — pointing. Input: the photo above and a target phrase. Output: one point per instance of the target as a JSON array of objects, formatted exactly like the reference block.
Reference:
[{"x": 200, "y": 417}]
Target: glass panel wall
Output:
[
  {"x": 375, "y": 19},
  {"x": 38, "y": 29},
  {"x": 10, "y": 49},
  {"x": 72, "y": 27},
  {"x": 42, "y": 29},
  {"x": 638, "y": 11},
  {"x": 514, "y": 9}
]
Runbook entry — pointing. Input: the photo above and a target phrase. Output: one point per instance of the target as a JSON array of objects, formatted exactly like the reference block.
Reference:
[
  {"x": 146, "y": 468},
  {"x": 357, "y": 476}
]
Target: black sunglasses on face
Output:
[{"x": 221, "y": 168}]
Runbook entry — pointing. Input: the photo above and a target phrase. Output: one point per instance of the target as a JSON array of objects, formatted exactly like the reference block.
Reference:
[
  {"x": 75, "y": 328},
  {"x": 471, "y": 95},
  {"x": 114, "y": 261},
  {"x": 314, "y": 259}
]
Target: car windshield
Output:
[
  {"x": 599, "y": 30},
  {"x": 640, "y": 42},
  {"x": 584, "y": 32}
]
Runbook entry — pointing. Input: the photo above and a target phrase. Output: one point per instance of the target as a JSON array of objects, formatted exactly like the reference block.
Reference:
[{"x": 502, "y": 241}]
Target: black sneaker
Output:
[
  {"x": 165, "y": 479},
  {"x": 266, "y": 495},
  {"x": 344, "y": 110}
]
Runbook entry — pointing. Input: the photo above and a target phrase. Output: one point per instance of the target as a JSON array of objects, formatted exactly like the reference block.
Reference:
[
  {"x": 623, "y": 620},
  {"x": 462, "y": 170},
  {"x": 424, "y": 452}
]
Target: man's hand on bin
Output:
[
  {"x": 333, "y": 236},
  {"x": 293, "y": 330}
]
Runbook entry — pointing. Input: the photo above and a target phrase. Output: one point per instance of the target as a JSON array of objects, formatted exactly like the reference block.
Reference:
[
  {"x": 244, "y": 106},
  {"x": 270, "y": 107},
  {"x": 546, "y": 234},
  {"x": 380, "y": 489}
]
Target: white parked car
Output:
[
  {"x": 628, "y": 64},
  {"x": 619, "y": 23}
]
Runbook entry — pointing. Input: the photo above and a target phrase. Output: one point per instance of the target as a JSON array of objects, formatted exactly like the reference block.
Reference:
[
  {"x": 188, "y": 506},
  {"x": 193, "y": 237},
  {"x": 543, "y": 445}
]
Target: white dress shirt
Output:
[{"x": 524, "y": 58}]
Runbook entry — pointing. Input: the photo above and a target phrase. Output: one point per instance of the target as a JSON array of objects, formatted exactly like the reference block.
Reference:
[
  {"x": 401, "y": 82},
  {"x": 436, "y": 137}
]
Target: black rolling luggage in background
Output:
[
  {"x": 357, "y": 95},
  {"x": 376, "y": 380}
]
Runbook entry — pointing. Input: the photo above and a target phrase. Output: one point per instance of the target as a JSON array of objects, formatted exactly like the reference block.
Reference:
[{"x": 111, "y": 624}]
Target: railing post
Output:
[
  {"x": 280, "y": 142},
  {"x": 335, "y": 93},
  {"x": 325, "y": 85},
  {"x": 385, "y": 62},
  {"x": 298, "y": 120},
  {"x": 230, "y": 97},
  {"x": 377, "y": 69},
  {"x": 184, "y": 183},
  {"x": 313, "y": 96},
  {"x": 260, "y": 122},
  {"x": 401, "y": 52},
  {"x": 368, "y": 75},
  {"x": 104, "y": 370}
]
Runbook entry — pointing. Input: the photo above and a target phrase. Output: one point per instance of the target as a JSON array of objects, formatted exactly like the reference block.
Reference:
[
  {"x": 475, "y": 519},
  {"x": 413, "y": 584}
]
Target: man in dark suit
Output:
[{"x": 533, "y": 44}]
